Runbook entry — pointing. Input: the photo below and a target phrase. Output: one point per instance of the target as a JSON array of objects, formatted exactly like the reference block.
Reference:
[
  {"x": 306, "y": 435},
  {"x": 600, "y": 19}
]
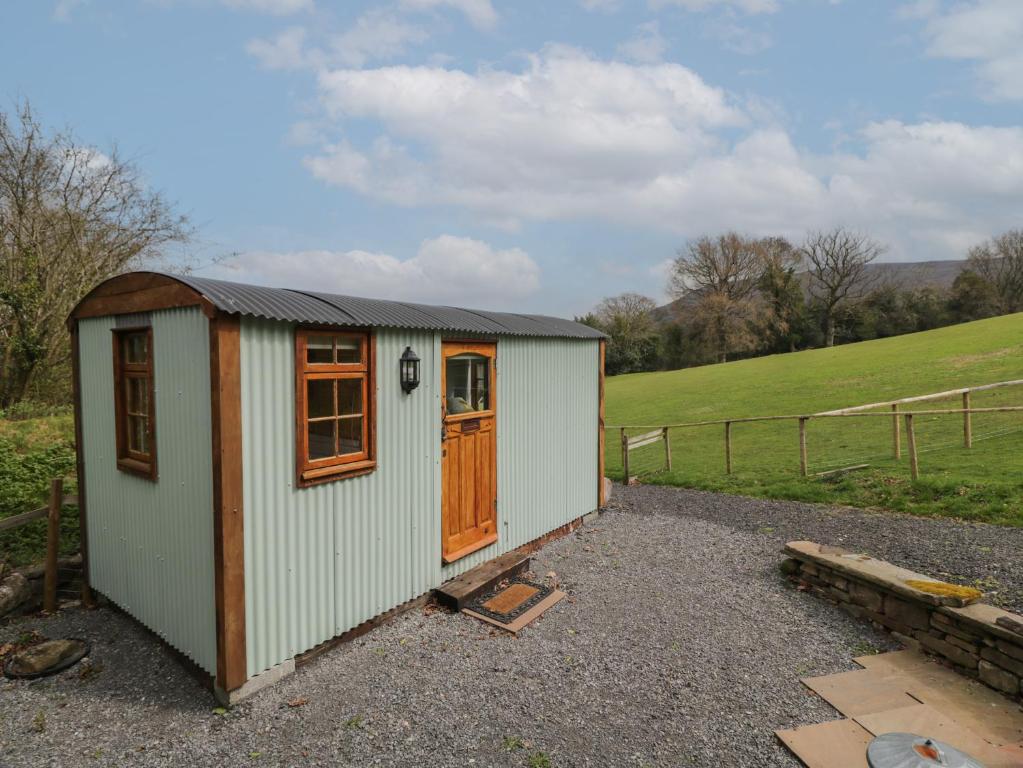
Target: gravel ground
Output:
[
  {"x": 680, "y": 644},
  {"x": 989, "y": 557}
]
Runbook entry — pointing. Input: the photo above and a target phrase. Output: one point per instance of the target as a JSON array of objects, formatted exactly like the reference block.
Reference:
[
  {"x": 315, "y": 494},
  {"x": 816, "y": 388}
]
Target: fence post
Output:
[
  {"x": 667, "y": 448},
  {"x": 52, "y": 545},
  {"x": 896, "y": 430},
  {"x": 914, "y": 467},
  {"x": 728, "y": 447},
  {"x": 802, "y": 446},
  {"x": 967, "y": 423},
  {"x": 625, "y": 455}
]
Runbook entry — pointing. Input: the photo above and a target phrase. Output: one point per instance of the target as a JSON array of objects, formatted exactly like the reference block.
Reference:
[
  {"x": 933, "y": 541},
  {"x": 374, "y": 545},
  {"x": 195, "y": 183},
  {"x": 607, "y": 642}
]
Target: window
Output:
[
  {"x": 467, "y": 379},
  {"x": 334, "y": 404},
  {"x": 134, "y": 406}
]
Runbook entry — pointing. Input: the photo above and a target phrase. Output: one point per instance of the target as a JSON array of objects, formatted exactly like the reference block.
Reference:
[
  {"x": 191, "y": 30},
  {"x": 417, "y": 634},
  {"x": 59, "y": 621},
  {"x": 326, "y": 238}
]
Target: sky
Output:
[{"x": 536, "y": 156}]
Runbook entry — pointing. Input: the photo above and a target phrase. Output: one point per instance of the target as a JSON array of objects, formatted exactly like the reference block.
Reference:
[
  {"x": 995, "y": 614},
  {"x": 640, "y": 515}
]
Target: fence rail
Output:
[
  {"x": 52, "y": 514},
  {"x": 661, "y": 432}
]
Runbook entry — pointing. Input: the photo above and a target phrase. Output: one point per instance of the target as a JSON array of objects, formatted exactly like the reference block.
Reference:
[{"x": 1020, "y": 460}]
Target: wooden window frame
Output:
[
  {"x": 134, "y": 462},
  {"x": 487, "y": 349},
  {"x": 315, "y": 471}
]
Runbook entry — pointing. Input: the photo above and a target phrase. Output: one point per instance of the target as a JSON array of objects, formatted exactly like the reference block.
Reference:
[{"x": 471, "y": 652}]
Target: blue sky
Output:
[{"x": 537, "y": 155}]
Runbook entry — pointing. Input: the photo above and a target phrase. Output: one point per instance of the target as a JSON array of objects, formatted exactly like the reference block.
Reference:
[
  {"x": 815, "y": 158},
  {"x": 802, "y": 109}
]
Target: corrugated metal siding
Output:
[
  {"x": 151, "y": 544},
  {"x": 321, "y": 560}
]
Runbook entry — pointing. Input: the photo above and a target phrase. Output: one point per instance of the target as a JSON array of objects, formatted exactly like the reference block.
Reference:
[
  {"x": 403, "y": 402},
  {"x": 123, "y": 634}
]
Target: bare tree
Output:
[
  {"x": 729, "y": 264},
  {"x": 70, "y": 216},
  {"x": 999, "y": 261},
  {"x": 837, "y": 267},
  {"x": 635, "y": 340}
]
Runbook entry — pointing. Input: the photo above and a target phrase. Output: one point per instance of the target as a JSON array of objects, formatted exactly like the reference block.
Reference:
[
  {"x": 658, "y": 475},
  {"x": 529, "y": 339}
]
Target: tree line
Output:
[
  {"x": 737, "y": 296},
  {"x": 70, "y": 217}
]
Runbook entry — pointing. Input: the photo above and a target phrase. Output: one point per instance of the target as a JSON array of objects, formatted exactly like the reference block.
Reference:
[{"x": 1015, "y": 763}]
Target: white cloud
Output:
[
  {"x": 275, "y": 7},
  {"x": 647, "y": 45},
  {"x": 738, "y": 38},
  {"x": 445, "y": 270},
  {"x": 286, "y": 51},
  {"x": 570, "y": 136},
  {"x": 603, "y": 6},
  {"x": 988, "y": 32},
  {"x": 64, "y": 8},
  {"x": 375, "y": 35},
  {"x": 746, "y": 6},
  {"x": 480, "y": 13}
]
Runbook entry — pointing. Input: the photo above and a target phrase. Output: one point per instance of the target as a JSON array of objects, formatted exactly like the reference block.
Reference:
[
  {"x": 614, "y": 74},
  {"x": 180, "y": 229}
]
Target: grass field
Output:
[{"x": 983, "y": 483}]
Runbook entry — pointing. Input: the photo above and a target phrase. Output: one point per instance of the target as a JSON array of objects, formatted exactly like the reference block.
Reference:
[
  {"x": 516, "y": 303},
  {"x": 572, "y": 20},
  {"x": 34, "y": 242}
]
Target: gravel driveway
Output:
[
  {"x": 989, "y": 557},
  {"x": 680, "y": 645}
]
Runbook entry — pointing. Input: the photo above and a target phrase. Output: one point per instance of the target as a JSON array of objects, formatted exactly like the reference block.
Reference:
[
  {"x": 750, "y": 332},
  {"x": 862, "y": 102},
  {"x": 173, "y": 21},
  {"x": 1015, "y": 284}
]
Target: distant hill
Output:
[{"x": 903, "y": 275}]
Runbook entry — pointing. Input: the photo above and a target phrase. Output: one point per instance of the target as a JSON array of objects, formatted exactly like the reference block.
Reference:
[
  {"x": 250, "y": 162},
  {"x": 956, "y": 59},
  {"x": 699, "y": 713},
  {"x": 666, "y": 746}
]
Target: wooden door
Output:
[{"x": 468, "y": 448}]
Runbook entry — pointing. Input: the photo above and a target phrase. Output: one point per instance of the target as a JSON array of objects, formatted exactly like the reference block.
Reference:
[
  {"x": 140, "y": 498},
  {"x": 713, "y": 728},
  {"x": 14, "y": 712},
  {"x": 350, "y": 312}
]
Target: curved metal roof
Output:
[{"x": 294, "y": 306}]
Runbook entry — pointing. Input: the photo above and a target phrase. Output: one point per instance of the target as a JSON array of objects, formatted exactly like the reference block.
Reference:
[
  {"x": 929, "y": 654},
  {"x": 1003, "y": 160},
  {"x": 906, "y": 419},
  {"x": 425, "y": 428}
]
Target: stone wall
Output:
[{"x": 973, "y": 637}]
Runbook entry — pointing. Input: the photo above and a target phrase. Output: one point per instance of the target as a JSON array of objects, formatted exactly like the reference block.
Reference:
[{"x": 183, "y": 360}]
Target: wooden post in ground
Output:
[
  {"x": 728, "y": 447},
  {"x": 667, "y": 449},
  {"x": 802, "y": 446},
  {"x": 52, "y": 545},
  {"x": 967, "y": 423},
  {"x": 914, "y": 467},
  {"x": 625, "y": 455},
  {"x": 896, "y": 433}
]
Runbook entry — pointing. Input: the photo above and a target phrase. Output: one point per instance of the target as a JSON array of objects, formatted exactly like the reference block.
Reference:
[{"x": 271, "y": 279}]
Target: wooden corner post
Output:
[
  {"x": 52, "y": 545},
  {"x": 803, "y": 463},
  {"x": 914, "y": 466},
  {"x": 896, "y": 436},
  {"x": 83, "y": 531},
  {"x": 228, "y": 514}
]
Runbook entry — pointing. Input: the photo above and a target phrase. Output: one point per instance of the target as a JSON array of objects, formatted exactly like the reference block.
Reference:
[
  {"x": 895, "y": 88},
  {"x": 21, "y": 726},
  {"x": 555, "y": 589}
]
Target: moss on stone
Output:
[{"x": 945, "y": 589}]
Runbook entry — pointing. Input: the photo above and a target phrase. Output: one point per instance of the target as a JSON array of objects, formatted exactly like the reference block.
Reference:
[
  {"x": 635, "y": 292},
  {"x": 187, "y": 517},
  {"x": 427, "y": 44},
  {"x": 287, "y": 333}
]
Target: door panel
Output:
[{"x": 468, "y": 450}]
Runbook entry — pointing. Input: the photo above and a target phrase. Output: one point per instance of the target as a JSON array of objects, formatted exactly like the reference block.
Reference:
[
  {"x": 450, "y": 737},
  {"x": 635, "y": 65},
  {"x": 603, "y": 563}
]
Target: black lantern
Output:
[{"x": 409, "y": 366}]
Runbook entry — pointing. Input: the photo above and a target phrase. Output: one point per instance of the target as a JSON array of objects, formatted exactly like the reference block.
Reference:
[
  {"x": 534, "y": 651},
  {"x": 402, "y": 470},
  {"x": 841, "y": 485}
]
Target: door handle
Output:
[{"x": 443, "y": 432}]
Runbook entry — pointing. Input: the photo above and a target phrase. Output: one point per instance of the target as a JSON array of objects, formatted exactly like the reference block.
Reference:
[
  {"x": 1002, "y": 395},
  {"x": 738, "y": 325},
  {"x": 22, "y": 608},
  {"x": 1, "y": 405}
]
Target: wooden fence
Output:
[
  {"x": 662, "y": 432},
  {"x": 52, "y": 514}
]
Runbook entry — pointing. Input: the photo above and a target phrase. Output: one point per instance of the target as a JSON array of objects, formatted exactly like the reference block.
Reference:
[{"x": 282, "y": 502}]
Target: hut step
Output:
[{"x": 459, "y": 591}]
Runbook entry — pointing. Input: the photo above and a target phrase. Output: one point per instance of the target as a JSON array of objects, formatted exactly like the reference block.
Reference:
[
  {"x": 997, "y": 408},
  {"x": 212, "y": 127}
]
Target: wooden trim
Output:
[
  {"x": 601, "y": 498},
  {"x": 83, "y": 529},
  {"x": 315, "y": 471},
  {"x": 468, "y": 549},
  {"x": 139, "y": 292},
  {"x": 143, "y": 465},
  {"x": 228, "y": 511}
]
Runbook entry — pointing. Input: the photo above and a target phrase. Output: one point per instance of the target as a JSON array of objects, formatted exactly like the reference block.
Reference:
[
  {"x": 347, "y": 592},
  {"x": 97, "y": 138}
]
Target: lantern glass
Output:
[{"x": 409, "y": 370}]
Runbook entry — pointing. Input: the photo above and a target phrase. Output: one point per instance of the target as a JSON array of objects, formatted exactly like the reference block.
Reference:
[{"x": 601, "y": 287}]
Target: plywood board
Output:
[
  {"x": 860, "y": 692},
  {"x": 527, "y": 618},
  {"x": 990, "y": 715},
  {"x": 836, "y": 744},
  {"x": 925, "y": 720}
]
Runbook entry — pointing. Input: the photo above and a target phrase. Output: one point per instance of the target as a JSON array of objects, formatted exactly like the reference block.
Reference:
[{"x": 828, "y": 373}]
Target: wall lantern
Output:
[{"x": 409, "y": 366}]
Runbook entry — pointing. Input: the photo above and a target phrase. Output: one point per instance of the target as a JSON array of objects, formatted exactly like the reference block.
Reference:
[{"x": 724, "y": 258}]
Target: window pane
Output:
[
  {"x": 350, "y": 432},
  {"x": 138, "y": 439},
  {"x": 321, "y": 439},
  {"x": 135, "y": 347},
  {"x": 349, "y": 350},
  {"x": 138, "y": 395},
  {"x": 467, "y": 380},
  {"x": 319, "y": 349},
  {"x": 320, "y": 397},
  {"x": 349, "y": 396}
]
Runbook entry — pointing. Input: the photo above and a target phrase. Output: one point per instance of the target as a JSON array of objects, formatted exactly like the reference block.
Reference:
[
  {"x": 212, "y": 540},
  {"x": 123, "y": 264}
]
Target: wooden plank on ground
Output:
[
  {"x": 461, "y": 589},
  {"x": 927, "y": 721},
  {"x": 836, "y": 744},
  {"x": 860, "y": 692}
]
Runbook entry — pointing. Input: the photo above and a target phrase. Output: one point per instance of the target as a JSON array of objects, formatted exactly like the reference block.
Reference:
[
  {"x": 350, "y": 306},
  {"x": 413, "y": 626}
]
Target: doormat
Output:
[{"x": 513, "y": 603}]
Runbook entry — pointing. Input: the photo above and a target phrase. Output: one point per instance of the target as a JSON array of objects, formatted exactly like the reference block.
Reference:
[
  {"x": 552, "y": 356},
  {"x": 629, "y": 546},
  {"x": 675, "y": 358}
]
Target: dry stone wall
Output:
[{"x": 973, "y": 637}]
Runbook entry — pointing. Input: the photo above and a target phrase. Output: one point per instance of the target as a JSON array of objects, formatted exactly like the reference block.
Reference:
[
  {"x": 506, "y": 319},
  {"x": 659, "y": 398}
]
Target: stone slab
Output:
[
  {"x": 865, "y": 568},
  {"x": 985, "y": 617}
]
